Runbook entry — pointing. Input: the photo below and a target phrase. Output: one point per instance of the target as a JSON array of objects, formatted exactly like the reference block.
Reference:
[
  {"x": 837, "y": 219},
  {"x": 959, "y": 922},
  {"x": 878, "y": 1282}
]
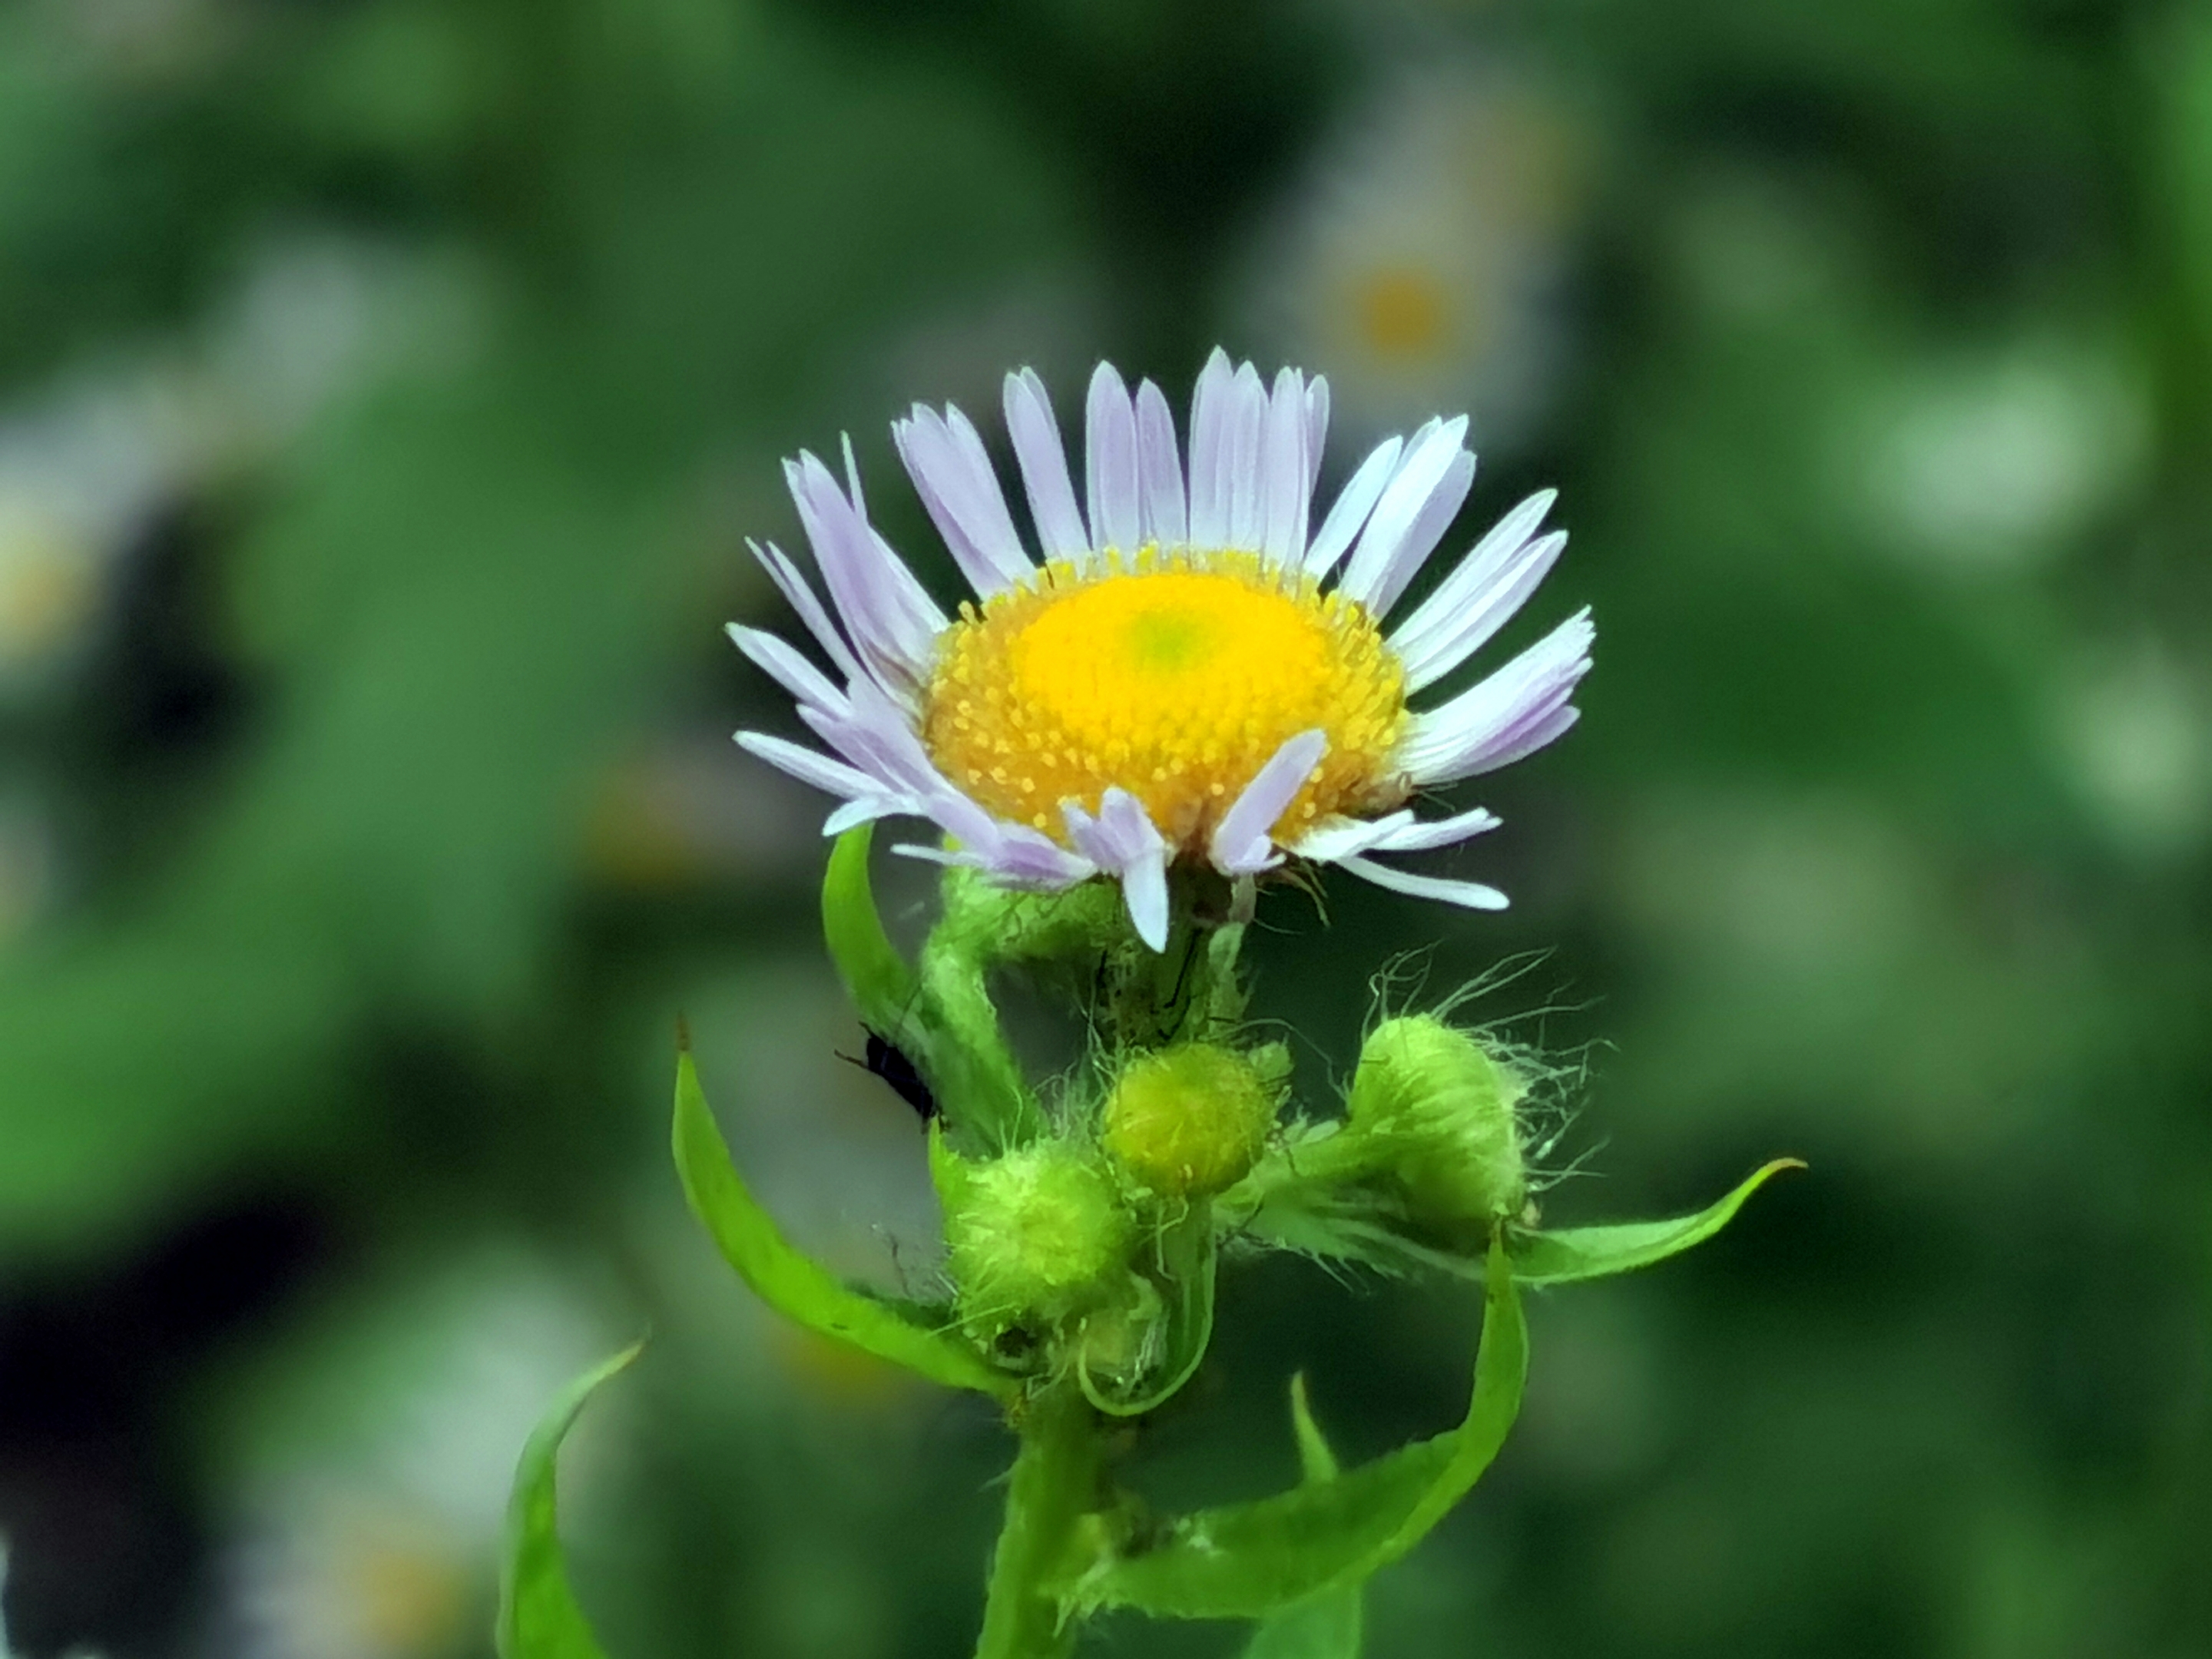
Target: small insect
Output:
[{"x": 890, "y": 1062}]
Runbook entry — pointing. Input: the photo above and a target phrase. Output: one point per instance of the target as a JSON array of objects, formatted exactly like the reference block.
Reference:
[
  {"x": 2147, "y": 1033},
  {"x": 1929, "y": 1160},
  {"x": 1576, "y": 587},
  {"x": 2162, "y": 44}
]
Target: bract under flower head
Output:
[{"x": 1194, "y": 673}]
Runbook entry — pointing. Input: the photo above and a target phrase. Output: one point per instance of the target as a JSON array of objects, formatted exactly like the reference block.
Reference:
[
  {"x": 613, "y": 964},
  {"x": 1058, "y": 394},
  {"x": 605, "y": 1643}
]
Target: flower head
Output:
[{"x": 1193, "y": 672}]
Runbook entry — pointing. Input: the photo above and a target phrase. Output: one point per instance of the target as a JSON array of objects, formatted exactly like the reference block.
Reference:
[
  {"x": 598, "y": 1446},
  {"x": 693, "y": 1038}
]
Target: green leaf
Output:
[
  {"x": 1248, "y": 1560},
  {"x": 792, "y": 1283},
  {"x": 1330, "y": 1626},
  {"x": 1187, "y": 1264},
  {"x": 538, "y": 1618},
  {"x": 876, "y": 976},
  {"x": 1576, "y": 1252}
]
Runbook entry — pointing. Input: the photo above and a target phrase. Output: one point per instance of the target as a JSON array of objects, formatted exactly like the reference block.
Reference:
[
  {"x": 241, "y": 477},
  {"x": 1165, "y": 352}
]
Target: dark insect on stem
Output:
[{"x": 889, "y": 1063}]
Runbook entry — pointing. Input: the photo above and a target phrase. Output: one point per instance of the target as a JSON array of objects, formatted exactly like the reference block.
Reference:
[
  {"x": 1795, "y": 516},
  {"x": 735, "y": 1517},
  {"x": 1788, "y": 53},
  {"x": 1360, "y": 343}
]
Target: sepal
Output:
[{"x": 1141, "y": 1366}]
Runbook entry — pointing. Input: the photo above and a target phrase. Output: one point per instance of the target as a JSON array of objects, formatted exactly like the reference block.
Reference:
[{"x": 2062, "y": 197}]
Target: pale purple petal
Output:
[
  {"x": 1210, "y": 403},
  {"x": 1431, "y": 465},
  {"x": 787, "y": 667},
  {"x": 1469, "y": 895},
  {"x": 1246, "y": 430},
  {"x": 865, "y": 809},
  {"x": 801, "y": 598},
  {"x": 1110, "y": 464},
  {"x": 1241, "y": 845},
  {"x": 952, "y": 473},
  {"x": 1165, "y": 518},
  {"x": 1493, "y": 567},
  {"x": 1428, "y": 529},
  {"x": 1122, "y": 840},
  {"x": 1286, "y": 480},
  {"x": 892, "y": 620},
  {"x": 1435, "y": 655},
  {"x": 832, "y": 776},
  {"x": 1043, "y": 460},
  {"x": 1316, "y": 430},
  {"x": 1512, "y": 713},
  {"x": 1353, "y": 503}
]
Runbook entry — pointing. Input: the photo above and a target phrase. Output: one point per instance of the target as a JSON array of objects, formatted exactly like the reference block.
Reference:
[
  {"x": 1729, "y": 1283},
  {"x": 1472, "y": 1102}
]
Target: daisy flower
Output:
[{"x": 1192, "y": 672}]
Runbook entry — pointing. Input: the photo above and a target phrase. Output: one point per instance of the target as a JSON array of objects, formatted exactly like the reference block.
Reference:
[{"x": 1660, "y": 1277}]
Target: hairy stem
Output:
[{"x": 1055, "y": 1482}]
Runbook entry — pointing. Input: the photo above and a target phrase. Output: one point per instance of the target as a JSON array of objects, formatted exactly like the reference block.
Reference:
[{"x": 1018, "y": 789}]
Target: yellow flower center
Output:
[{"x": 1176, "y": 676}]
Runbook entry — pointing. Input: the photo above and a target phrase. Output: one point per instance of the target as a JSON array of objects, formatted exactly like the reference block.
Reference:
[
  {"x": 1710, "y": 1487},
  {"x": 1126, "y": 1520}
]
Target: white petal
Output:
[
  {"x": 1353, "y": 503},
  {"x": 1241, "y": 844},
  {"x": 1145, "y": 890},
  {"x": 1044, "y": 459},
  {"x": 1209, "y": 422},
  {"x": 1470, "y": 895},
  {"x": 1418, "y": 837},
  {"x": 1111, "y": 471},
  {"x": 1165, "y": 517},
  {"x": 1341, "y": 837},
  {"x": 1285, "y": 481},
  {"x": 1430, "y": 465},
  {"x": 1512, "y": 713},
  {"x": 952, "y": 474}
]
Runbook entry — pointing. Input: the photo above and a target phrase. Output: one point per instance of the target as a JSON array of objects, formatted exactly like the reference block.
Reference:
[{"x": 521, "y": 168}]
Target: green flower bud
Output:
[
  {"x": 1190, "y": 1119},
  {"x": 1444, "y": 1107},
  {"x": 1041, "y": 1232}
]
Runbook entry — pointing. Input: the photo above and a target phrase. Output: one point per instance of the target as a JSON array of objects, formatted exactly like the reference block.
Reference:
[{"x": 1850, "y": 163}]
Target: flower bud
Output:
[
  {"x": 1445, "y": 1107},
  {"x": 1190, "y": 1119},
  {"x": 1041, "y": 1232}
]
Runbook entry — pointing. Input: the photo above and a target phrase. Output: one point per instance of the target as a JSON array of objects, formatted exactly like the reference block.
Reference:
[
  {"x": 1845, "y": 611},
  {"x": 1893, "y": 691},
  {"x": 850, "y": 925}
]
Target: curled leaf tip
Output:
[{"x": 683, "y": 1034}]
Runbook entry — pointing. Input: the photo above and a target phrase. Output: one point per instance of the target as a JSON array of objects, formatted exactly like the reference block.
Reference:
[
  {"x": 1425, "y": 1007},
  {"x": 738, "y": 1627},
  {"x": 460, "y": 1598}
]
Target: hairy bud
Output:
[
  {"x": 1040, "y": 1232},
  {"x": 1444, "y": 1108},
  {"x": 1190, "y": 1119}
]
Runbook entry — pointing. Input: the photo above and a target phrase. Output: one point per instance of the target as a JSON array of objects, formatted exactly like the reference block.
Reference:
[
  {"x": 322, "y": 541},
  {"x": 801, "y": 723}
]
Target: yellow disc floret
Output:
[{"x": 1176, "y": 676}]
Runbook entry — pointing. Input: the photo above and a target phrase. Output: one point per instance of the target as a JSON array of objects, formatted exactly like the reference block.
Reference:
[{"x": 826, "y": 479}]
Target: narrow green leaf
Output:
[
  {"x": 538, "y": 1618},
  {"x": 1248, "y": 1560},
  {"x": 1187, "y": 1270},
  {"x": 1316, "y": 1460},
  {"x": 1329, "y": 1626},
  {"x": 876, "y": 976},
  {"x": 792, "y": 1283},
  {"x": 1575, "y": 1252}
]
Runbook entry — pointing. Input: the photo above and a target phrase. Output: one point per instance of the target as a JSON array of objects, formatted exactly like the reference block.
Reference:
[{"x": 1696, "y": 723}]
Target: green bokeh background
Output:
[{"x": 385, "y": 392}]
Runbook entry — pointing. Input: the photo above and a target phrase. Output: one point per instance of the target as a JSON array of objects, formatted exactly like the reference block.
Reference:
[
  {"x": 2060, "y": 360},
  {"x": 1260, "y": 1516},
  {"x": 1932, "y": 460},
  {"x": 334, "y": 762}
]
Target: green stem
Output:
[{"x": 1054, "y": 1484}]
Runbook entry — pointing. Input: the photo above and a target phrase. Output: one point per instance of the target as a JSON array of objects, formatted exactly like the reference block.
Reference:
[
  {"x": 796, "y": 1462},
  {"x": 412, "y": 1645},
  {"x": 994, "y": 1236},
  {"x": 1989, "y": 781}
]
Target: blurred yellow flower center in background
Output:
[
  {"x": 1403, "y": 312},
  {"x": 1176, "y": 676}
]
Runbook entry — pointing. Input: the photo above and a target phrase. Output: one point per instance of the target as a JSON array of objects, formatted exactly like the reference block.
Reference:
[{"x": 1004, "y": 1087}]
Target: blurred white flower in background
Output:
[
  {"x": 374, "y": 1531},
  {"x": 1420, "y": 261},
  {"x": 2134, "y": 730},
  {"x": 2000, "y": 459},
  {"x": 87, "y": 464},
  {"x": 81, "y": 474}
]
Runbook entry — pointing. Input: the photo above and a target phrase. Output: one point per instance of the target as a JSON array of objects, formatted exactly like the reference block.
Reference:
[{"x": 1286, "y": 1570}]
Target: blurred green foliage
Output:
[{"x": 386, "y": 389}]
